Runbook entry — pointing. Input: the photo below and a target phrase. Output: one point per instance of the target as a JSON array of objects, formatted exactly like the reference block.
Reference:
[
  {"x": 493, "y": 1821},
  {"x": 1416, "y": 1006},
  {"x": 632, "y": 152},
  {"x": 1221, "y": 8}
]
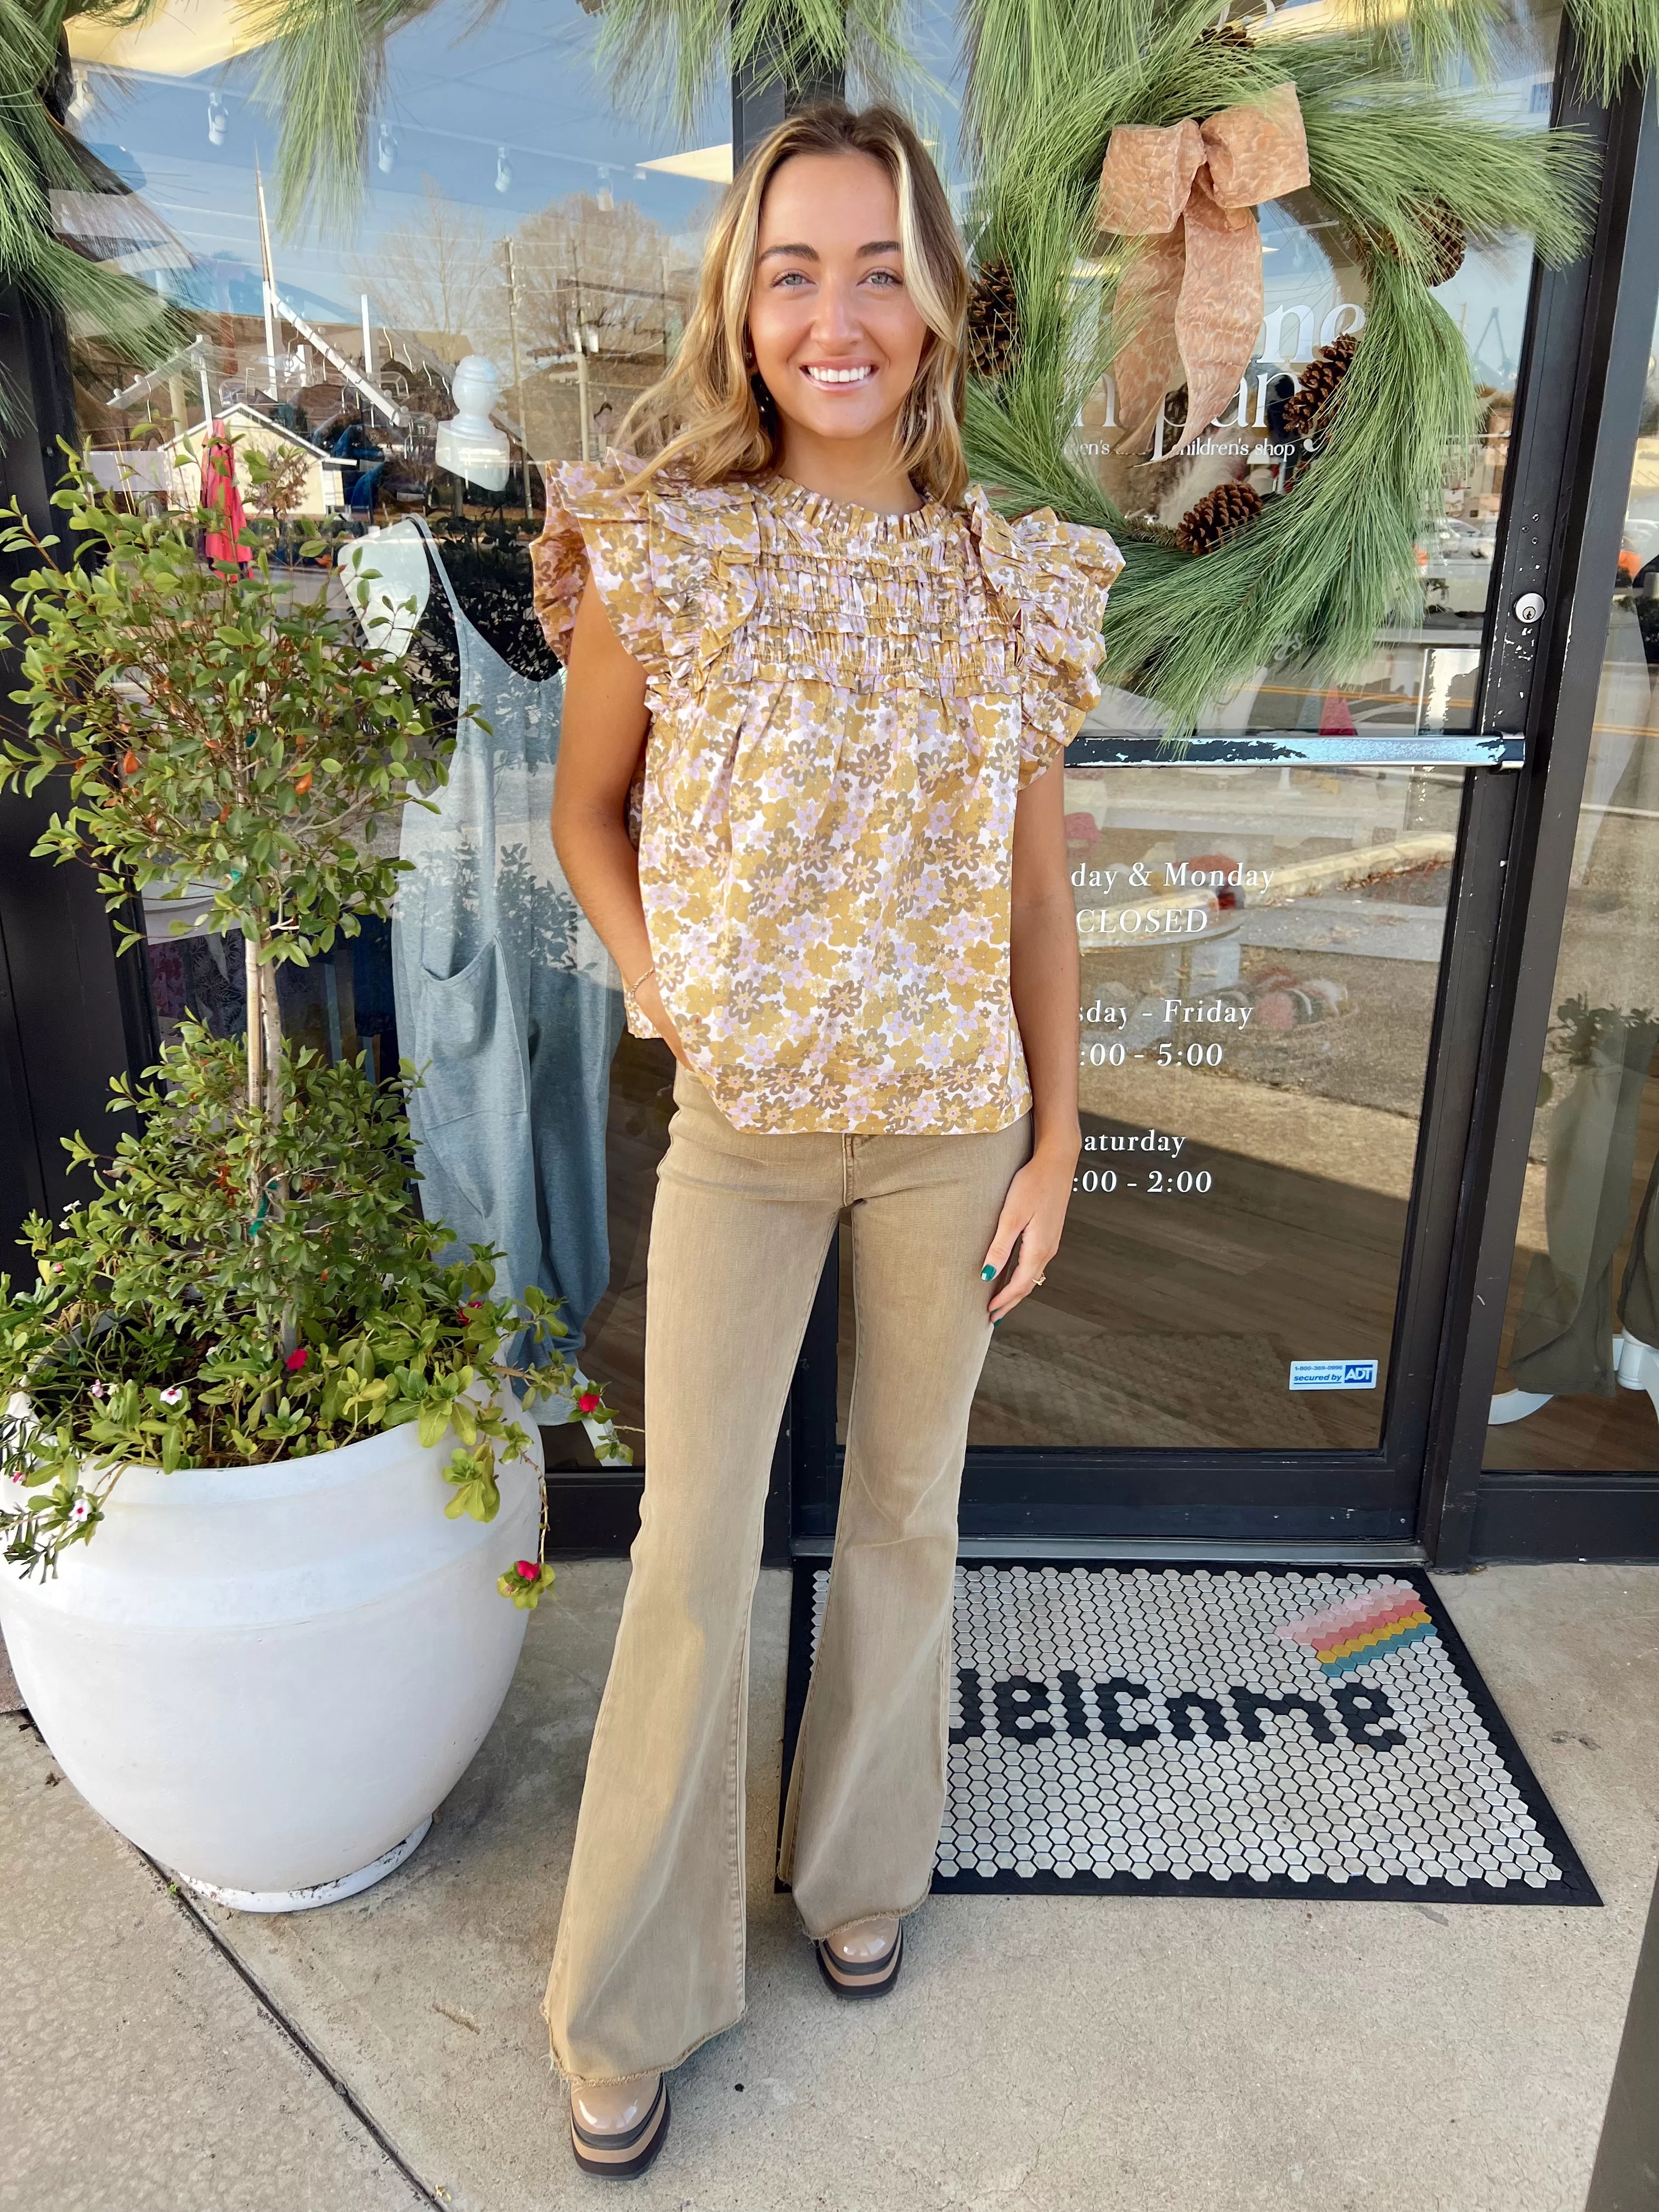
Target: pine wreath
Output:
[
  {"x": 1320, "y": 382},
  {"x": 993, "y": 320},
  {"x": 1447, "y": 240},
  {"x": 1402, "y": 165},
  {"x": 1219, "y": 514}
]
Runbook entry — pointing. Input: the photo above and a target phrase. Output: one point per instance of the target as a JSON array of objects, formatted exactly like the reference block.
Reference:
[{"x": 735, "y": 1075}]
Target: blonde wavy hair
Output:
[{"x": 706, "y": 419}]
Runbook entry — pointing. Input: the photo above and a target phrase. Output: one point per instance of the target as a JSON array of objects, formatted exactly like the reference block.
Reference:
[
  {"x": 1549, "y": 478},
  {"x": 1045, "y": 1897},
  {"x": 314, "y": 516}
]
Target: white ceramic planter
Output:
[{"x": 270, "y": 1677}]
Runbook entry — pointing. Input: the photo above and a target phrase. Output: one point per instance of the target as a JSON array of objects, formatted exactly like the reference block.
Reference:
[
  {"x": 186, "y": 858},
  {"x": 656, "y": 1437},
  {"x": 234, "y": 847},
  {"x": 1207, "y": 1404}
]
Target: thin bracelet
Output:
[{"x": 646, "y": 978}]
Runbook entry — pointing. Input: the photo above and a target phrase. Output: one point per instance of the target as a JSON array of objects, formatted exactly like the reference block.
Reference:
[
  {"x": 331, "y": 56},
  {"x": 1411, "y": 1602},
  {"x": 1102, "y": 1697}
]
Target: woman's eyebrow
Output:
[{"x": 810, "y": 253}]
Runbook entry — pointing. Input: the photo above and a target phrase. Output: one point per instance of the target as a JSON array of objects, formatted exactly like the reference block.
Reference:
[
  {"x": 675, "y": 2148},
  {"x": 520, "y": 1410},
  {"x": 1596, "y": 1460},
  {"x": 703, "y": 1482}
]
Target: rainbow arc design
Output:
[{"x": 1342, "y": 1638}]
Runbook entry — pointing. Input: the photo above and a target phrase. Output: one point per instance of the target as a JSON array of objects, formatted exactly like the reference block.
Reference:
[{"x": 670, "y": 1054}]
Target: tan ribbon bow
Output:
[{"x": 1193, "y": 301}]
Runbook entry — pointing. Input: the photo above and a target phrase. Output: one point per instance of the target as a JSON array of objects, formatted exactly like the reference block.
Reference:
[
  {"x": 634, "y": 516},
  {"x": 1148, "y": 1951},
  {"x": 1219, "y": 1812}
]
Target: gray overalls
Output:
[{"x": 507, "y": 1001}]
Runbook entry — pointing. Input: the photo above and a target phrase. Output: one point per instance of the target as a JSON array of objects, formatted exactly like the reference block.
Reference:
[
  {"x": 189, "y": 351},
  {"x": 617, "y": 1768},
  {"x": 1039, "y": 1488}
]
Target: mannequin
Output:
[
  {"x": 469, "y": 443},
  {"x": 506, "y": 1000}
]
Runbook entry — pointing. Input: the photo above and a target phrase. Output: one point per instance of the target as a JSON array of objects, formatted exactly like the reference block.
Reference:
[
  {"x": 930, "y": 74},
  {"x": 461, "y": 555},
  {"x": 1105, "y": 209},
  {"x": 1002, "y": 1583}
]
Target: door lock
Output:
[{"x": 1529, "y": 608}]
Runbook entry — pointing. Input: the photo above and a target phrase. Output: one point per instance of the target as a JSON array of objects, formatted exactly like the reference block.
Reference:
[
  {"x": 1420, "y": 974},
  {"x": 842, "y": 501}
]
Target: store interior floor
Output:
[{"x": 1042, "y": 2055}]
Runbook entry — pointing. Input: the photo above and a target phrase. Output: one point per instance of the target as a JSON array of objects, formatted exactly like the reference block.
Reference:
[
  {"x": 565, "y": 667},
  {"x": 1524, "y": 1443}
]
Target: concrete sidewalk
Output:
[{"x": 1043, "y": 2054}]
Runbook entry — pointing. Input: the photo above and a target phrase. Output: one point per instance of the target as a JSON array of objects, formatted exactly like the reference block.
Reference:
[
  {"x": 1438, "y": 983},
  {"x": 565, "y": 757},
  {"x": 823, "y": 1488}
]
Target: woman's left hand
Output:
[{"x": 1033, "y": 1217}]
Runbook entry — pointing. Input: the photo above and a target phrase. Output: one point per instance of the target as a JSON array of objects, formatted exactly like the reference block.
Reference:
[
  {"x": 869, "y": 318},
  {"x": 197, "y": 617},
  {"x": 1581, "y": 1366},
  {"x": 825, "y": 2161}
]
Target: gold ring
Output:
[{"x": 1041, "y": 1279}]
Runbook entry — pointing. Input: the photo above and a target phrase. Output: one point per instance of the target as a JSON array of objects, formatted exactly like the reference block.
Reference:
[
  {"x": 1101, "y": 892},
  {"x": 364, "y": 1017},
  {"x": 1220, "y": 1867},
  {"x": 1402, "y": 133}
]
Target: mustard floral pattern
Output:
[{"x": 845, "y": 706}]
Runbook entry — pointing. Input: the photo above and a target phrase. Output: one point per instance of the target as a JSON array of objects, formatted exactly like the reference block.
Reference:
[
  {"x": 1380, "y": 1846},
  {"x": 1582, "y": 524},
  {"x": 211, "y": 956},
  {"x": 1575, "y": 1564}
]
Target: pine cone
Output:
[
  {"x": 1228, "y": 508},
  {"x": 993, "y": 332},
  {"x": 1224, "y": 35},
  {"x": 1446, "y": 239},
  {"x": 1317, "y": 387}
]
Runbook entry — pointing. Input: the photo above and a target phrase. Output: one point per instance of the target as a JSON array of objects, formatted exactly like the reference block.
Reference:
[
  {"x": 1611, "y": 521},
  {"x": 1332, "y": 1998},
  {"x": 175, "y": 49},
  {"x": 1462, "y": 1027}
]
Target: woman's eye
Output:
[
  {"x": 888, "y": 279},
  {"x": 790, "y": 277}
]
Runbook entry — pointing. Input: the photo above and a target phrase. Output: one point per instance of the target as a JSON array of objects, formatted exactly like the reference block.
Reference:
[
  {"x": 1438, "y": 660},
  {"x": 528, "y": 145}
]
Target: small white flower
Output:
[
  {"x": 171, "y": 1397},
  {"x": 79, "y": 1512}
]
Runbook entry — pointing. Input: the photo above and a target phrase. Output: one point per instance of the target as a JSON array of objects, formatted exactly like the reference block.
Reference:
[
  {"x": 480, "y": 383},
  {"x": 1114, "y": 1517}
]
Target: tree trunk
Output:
[
  {"x": 253, "y": 993},
  {"x": 272, "y": 1017}
]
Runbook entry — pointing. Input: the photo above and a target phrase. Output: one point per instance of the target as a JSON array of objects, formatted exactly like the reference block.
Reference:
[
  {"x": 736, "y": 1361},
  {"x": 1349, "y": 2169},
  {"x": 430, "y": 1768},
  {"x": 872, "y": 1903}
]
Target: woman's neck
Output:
[{"x": 856, "y": 471}]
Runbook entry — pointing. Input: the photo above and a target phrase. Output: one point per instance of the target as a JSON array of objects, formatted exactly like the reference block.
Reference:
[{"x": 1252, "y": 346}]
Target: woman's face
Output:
[{"x": 836, "y": 334}]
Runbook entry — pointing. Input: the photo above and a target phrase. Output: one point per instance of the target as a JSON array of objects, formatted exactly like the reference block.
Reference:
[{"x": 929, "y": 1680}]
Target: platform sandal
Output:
[
  {"x": 619, "y": 2157},
  {"x": 862, "y": 1978}
]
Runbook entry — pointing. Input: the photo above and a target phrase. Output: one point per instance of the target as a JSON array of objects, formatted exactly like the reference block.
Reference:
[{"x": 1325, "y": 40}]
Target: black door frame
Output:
[
  {"x": 1470, "y": 1513},
  {"x": 1579, "y": 397}
]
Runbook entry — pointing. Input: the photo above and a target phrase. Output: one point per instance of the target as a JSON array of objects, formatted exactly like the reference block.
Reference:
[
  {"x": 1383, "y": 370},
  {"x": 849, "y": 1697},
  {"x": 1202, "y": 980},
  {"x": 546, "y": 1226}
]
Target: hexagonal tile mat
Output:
[{"x": 1223, "y": 1731}]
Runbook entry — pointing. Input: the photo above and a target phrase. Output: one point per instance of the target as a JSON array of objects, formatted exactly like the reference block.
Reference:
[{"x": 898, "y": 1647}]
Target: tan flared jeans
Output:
[{"x": 649, "y": 1960}]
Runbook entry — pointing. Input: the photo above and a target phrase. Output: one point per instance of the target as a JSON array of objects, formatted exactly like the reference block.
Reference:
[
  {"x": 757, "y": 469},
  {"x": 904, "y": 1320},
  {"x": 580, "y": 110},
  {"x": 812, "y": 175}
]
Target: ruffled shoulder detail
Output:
[
  {"x": 1051, "y": 578},
  {"x": 673, "y": 564}
]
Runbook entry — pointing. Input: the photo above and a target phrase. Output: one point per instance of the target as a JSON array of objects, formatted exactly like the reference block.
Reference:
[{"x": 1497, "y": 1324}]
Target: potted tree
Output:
[{"x": 244, "y": 1368}]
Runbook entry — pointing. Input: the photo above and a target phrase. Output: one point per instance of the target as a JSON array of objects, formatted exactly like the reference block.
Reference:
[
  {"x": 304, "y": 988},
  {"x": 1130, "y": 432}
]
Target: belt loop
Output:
[{"x": 846, "y": 1168}]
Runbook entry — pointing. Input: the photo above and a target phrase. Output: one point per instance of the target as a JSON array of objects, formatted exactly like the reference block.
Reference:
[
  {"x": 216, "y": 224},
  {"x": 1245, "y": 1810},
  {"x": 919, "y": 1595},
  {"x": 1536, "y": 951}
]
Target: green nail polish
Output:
[
  {"x": 998, "y": 1324},
  {"x": 988, "y": 1274}
]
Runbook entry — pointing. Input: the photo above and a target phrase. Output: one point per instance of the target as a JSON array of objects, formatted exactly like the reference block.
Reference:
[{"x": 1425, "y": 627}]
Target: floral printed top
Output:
[{"x": 844, "y": 707}]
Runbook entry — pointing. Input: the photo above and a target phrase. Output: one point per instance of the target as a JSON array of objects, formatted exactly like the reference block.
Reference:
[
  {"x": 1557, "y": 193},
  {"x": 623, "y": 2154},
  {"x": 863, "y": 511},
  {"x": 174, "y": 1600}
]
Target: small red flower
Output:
[
  {"x": 296, "y": 1359},
  {"x": 527, "y": 1570},
  {"x": 465, "y": 1312},
  {"x": 588, "y": 1402}
]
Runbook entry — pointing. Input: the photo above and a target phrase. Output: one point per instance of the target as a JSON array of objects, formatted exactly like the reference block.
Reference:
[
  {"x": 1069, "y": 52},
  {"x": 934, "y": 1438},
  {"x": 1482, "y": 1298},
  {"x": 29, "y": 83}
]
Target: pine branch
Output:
[{"x": 1617, "y": 40}]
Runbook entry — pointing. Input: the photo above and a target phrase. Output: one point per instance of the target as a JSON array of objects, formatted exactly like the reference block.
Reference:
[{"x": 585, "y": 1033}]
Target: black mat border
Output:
[{"x": 1574, "y": 1888}]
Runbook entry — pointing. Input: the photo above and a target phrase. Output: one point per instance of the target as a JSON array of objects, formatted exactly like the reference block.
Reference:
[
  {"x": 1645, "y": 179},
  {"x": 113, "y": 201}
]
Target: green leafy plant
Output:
[{"x": 250, "y": 1279}]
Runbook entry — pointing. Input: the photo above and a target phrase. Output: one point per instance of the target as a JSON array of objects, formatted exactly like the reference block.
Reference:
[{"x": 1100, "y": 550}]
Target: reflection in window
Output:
[
  {"x": 1579, "y": 1385},
  {"x": 1261, "y": 953},
  {"x": 506, "y": 222}
]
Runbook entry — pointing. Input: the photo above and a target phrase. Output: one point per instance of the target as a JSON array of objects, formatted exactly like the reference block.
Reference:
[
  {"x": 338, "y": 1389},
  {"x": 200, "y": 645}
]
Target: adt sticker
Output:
[{"x": 1333, "y": 1375}]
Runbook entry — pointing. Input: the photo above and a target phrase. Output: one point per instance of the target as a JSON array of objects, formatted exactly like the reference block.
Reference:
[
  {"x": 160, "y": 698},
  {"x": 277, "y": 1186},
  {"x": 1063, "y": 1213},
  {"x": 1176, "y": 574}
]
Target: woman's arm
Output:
[
  {"x": 605, "y": 720},
  {"x": 1043, "y": 978}
]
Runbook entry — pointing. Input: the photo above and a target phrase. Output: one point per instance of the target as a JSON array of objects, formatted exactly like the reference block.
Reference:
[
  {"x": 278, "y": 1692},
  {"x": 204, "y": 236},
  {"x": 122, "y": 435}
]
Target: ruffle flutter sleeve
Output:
[
  {"x": 596, "y": 527},
  {"x": 1052, "y": 578}
]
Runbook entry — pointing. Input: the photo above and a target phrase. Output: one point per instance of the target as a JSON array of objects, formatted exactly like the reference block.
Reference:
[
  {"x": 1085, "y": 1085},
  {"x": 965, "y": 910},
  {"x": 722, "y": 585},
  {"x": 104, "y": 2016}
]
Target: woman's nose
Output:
[{"x": 837, "y": 317}]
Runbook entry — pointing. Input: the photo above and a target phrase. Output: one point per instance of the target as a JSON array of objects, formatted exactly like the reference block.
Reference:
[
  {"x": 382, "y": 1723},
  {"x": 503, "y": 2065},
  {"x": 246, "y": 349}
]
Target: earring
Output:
[{"x": 764, "y": 401}]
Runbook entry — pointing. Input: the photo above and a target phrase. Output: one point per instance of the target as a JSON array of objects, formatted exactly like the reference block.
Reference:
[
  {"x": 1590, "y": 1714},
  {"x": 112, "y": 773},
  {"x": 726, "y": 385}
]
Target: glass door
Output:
[
  {"x": 1237, "y": 1341},
  {"x": 1214, "y": 1354}
]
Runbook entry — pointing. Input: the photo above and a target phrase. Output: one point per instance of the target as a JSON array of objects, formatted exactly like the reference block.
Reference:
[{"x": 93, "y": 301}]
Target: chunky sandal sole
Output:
[
  {"x": 619, "y": 2157},
  {"x": 872, "y": 1978}
]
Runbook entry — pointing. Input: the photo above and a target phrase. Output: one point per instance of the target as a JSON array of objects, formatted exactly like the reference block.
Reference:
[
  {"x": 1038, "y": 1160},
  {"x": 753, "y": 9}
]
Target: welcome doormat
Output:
[{"x": 1223, "y": 1731}]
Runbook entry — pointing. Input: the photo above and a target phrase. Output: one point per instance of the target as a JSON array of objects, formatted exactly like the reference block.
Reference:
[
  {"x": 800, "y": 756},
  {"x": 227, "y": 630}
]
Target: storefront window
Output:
[
  {"x": 518, "y": 270},
  {"x": 1579, "y": 1385}
]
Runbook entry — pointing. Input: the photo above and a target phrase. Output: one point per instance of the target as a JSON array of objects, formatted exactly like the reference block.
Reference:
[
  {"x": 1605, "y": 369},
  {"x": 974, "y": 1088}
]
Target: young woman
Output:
[{"x": 848, "y": 916}]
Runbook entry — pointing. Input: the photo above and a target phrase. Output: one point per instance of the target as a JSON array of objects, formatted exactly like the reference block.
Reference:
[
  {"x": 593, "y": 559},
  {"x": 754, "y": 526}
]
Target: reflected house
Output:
[{"x": 319, "y": 482}]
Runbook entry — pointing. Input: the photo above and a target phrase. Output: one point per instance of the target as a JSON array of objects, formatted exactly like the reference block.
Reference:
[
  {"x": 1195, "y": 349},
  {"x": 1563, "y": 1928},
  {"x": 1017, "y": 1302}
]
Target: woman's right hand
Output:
[{"x": 649, "y": 999}]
